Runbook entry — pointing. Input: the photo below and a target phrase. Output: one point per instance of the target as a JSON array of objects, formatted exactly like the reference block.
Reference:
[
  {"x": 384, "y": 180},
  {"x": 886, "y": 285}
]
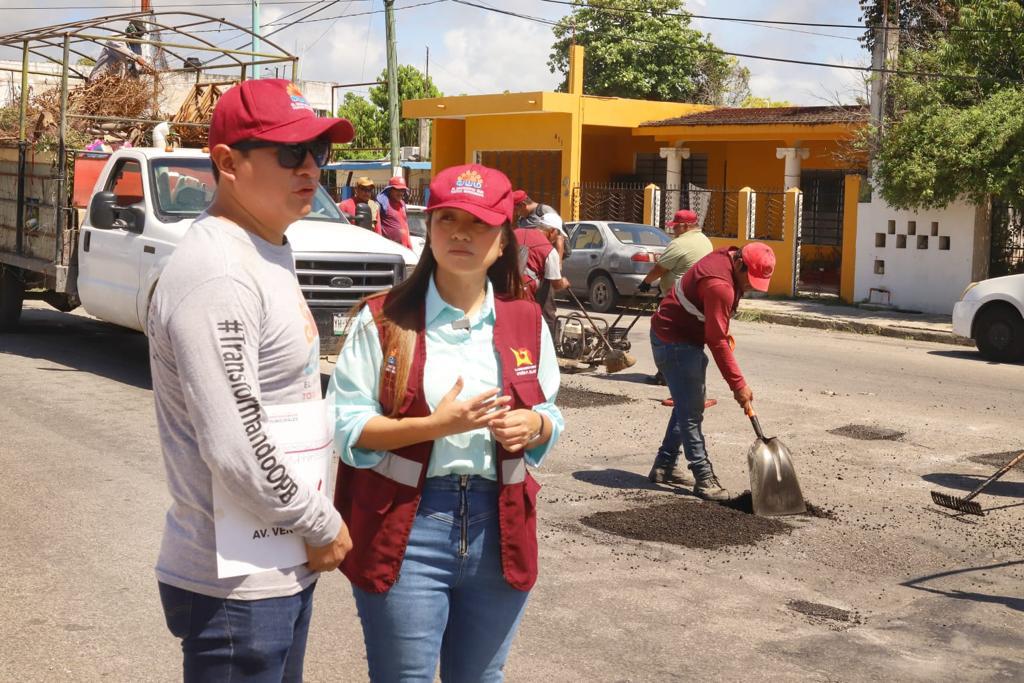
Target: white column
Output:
[
  {"x": 792, "y": 155},
  {"x": 674, "y": 175}
]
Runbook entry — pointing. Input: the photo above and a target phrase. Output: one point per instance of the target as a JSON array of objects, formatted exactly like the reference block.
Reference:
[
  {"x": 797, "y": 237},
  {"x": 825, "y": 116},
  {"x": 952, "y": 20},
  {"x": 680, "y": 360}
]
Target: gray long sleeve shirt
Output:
[{"x": 229, "y": 332}]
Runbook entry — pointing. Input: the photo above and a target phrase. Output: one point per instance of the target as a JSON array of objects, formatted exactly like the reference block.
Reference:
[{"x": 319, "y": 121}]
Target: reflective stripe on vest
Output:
[
  {"x": 513, "y": 471},
  {"x": 686, "y": 303},
  {"x": 397, "y": 468}
]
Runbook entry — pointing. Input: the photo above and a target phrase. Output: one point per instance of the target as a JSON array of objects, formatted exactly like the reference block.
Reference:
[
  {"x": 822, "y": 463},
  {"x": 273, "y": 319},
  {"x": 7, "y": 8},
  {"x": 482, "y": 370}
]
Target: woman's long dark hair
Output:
[{"x": 401, "y": 317}]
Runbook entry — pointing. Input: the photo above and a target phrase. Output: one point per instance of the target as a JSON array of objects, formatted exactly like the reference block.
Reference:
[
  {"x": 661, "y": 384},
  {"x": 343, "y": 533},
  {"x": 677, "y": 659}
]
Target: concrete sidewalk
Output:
[{"x": 845, "y": 318}]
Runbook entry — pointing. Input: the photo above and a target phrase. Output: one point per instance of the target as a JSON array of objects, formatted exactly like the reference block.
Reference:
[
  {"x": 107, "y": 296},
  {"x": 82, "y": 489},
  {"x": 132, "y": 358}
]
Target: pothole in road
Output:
[
  {"x": 745, "y": 503},
  {"x": 571, "y": 397},
  {"x": 867, "y": 433},
  {"x": 997, "y": 459},
  {"x": 688, "y": 523},
  {"x": 826, "y": 615}
]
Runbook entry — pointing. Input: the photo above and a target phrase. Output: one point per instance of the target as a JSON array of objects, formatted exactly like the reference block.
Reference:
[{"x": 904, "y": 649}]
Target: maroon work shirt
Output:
[{"x": 710, "y": 287}]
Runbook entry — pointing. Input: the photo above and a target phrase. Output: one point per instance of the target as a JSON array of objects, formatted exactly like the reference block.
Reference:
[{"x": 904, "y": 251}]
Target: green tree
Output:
[
  {"x": 961, "y": 134},
  {"x": 645, "y": 49},
  {"x": 370, "y": 116},
  {"x": 920, "y": 21}
]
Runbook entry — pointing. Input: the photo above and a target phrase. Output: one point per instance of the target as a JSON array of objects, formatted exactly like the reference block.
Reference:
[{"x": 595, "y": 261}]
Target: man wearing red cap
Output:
[
  {"x": 394, "y": 222},
  {"x": 696, "y": 312},
  {"x": 689, "y": 246},
  {"x": 230, "y": 335}
]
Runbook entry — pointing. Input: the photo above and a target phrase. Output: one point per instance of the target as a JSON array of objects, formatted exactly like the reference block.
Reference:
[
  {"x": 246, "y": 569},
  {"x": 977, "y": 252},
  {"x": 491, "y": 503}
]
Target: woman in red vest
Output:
[{"x": 443, "y": 392}]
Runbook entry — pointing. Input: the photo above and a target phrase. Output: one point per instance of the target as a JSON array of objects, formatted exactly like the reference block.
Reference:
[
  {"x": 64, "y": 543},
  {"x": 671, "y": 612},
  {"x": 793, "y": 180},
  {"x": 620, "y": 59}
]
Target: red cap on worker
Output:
[
  {"x": 683, "y": 217},
  {"x": 398, "y": 182},
  {"x": 484, "y": 192},
  {"x": 518, "y": 197},
  {"x": 760, "y": 261},
  {"x": 274, "y": 110}
]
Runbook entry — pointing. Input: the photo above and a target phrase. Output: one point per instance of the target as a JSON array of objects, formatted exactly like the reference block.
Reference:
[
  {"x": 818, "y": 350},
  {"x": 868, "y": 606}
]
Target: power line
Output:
[
  {"x": 748, "y": 20},
  {"x": 162, "y": 6},
  {"x": 783, "y": 60}
]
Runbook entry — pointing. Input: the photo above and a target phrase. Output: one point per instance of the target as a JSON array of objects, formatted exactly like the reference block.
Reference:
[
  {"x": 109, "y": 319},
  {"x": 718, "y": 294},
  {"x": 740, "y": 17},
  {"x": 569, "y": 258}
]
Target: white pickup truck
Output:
[{"x": 143, "y": 201}]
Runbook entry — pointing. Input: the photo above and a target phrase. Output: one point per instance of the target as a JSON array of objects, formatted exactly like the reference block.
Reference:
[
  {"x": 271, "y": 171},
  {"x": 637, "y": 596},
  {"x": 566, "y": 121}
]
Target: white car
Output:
[
  {"x": 991, "y": 312},
  {"x": 417, "y": 217}
]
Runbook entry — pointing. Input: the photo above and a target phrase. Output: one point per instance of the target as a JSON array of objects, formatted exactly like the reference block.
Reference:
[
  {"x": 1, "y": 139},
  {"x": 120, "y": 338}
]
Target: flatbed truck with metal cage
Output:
[{"x": 96, "y": 229}]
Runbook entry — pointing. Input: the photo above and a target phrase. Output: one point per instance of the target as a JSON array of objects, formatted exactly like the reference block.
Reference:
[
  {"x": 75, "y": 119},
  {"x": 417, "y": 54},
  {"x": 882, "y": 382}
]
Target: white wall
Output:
[{"x": 928, "y": 279}]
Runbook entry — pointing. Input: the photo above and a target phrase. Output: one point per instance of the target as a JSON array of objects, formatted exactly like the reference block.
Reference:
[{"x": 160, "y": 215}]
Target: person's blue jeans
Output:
[
  {"x": 684, "y": 367},
  {"x": 257, "y": 641},
  {"x": 451, "y": 602}
]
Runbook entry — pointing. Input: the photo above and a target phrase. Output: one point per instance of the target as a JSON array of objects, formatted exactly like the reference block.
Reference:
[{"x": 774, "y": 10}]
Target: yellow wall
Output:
[
  {"x": 449, "y": 144},
  {"x": 851, "y": 193}
]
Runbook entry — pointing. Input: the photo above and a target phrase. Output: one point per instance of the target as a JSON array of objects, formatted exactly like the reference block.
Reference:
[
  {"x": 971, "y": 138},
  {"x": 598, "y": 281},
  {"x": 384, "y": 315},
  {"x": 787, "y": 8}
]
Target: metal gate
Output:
[
  {"x": 623, "y": 202},
  {"x": 823, "y": 207},
  {"x": 1007, "y": 253},
  {"x": 538, "y": 172}
]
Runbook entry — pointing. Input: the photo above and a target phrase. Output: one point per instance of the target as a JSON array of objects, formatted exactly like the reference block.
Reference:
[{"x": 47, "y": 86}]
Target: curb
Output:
[{"x": 846, "y": 325}]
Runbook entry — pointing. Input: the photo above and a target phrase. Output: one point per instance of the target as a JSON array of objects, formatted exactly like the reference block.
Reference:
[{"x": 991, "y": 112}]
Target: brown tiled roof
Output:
[{"x": 738, "y": 116}]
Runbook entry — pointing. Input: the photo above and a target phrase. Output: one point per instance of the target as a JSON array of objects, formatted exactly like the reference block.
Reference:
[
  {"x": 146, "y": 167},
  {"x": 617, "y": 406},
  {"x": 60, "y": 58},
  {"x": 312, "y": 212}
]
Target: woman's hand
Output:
[
  {"x": 453, "y": 416},
  {"x": 514, "y": 429}
]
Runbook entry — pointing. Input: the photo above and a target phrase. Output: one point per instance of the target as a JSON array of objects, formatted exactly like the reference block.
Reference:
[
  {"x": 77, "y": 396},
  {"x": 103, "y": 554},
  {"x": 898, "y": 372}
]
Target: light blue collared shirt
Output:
[{"x": 355, "y": 385}]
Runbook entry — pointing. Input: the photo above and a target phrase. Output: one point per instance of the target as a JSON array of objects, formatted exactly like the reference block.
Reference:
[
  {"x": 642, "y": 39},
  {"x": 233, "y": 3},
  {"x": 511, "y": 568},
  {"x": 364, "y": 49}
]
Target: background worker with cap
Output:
[
  {"x": 696, "y": 312},
  {"x": 229, "y": 335},
  {"x": 541, "y": 265},
  {"x": 689, "y": 246},
  {"x": 362, "y": 194},
  {"x": 394, "y": 222}
]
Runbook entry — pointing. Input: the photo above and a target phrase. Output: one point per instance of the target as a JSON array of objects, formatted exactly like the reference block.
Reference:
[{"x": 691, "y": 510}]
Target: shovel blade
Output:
[{"x": 774, "y": 488}]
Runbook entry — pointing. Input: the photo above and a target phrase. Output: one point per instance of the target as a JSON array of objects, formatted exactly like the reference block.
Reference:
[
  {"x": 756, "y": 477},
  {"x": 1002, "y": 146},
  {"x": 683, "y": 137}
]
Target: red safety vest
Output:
[
  {"x": 379, "y": 504},
  {"x": 534, "y": 248}
]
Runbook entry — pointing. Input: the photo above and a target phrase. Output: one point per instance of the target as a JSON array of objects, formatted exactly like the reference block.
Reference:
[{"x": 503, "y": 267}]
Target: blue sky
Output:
[{"x": 474, "y": 51}]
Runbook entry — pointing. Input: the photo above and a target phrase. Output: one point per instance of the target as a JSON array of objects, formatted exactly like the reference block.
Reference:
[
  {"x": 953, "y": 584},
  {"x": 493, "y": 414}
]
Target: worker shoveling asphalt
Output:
[{"x": 696, "y": 312}]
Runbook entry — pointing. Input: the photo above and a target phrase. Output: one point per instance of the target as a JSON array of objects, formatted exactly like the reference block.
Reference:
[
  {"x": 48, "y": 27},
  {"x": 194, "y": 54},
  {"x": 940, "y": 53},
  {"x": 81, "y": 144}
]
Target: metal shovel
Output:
[{"x": 774, "y": 489}]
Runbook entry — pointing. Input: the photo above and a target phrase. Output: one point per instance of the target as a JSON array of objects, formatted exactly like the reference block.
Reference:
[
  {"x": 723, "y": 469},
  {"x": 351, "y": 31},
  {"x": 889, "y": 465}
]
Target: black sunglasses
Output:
[{"x": 293, "y": 155}]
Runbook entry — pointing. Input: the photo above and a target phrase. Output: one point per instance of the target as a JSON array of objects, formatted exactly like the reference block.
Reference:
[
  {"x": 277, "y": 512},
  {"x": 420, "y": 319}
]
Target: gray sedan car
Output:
[{"x": 610, "y": 259}]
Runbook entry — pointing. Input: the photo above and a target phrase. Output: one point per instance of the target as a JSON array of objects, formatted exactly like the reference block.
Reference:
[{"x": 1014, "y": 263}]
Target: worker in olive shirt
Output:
[
  {"x": 695, "y": 313},
  {"x": 689, "y": 246}
]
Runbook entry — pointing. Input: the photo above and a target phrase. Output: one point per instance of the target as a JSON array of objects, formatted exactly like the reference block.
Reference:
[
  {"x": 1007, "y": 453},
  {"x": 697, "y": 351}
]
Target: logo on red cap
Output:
[
  {"x": 469, "y": 182},
  {"x": 298, "y": 99}
]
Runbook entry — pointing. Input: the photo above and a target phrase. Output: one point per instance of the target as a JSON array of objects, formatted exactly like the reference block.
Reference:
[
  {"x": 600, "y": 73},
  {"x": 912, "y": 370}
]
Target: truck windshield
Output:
[{"x": 185, "y": 187}]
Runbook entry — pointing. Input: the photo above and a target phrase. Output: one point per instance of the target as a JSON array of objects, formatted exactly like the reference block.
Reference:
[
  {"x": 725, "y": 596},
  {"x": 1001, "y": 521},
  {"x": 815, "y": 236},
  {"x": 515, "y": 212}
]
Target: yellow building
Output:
[{"x": 591, "y": 158}]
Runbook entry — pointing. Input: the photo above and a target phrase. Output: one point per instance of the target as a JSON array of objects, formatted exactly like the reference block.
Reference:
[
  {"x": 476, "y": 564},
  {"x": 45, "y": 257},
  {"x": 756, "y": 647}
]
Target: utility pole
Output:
[
  {"x": 255, "y": 37},
  {"x": 393, "y": 113},
  {"x": 424, "y": 127}
]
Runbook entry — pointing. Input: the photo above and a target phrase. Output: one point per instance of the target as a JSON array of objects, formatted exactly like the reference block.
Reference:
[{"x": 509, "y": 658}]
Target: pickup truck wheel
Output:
[
  {"x": 12, "y": 294},
  {"x": 602, "y": 294},
  {"x": 999, "y": 334}
]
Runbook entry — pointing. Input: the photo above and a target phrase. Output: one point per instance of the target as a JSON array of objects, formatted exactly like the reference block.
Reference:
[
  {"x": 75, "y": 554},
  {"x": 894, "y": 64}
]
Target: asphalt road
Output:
[{"x": 893, "y": 589}]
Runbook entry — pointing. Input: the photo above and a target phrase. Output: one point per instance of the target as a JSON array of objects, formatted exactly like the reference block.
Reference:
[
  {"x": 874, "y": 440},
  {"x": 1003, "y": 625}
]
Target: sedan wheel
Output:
[
  {"x": 603, "y": 295},
  {"x": 1000, "y": 334}
]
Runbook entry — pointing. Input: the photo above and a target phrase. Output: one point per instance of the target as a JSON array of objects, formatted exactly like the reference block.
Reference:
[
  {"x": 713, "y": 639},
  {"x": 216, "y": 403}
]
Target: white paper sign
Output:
[{"x": 245, "y": 545}]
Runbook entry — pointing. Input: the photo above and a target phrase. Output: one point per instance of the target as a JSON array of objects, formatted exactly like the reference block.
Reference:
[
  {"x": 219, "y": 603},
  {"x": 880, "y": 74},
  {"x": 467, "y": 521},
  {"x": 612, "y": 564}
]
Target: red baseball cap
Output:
[
  {"x": 274, "y": 110},
  {"x": 518, "y": 197},
  {"x": 398, "y": 182},
  {"x": 684, "y": 217},
  {"x": 484, "y": 192},
  {"x": 760, "y": 261}
]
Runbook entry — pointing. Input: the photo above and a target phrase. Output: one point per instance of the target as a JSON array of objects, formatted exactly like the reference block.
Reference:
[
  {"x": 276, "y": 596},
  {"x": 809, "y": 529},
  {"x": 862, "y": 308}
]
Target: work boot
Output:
[
  {"x": 670, "y": 474},
  {"x": 709, "y": 488}
]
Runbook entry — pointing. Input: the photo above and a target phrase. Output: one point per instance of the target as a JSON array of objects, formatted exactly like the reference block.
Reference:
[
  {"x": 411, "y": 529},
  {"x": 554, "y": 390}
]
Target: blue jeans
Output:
[
  {"x": 255, "y": 641},
  {"x": 451, "y": 602},
  {"x": 684, "y": 367}
]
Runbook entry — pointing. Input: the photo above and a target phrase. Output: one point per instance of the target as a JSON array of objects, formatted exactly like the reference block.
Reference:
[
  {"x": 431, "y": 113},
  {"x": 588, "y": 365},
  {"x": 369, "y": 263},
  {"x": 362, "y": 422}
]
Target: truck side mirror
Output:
[
  {"x": 101, "y": 210},
  {"x": 133, "y": 217}
]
